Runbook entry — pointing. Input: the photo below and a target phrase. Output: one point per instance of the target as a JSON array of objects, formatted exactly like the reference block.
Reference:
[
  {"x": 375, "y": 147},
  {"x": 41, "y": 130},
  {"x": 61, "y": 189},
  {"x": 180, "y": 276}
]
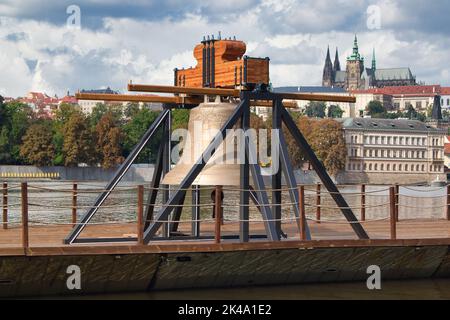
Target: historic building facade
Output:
[
  {"x": 384, "y": 151},
  {"x": 357, "y": 76}
]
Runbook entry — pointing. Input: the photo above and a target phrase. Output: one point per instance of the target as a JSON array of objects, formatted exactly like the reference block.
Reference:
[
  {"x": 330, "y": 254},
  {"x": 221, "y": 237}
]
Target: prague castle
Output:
[{"x": 357, "y": 76}]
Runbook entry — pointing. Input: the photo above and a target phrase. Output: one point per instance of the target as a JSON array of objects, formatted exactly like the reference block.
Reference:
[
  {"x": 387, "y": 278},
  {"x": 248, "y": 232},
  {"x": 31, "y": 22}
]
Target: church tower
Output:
[
  {"x": 355, "y": 68},
  {"x": 328, "y": 74},
  {"x": 337, "y": 64},
  {"x": 374, "y": 61}
]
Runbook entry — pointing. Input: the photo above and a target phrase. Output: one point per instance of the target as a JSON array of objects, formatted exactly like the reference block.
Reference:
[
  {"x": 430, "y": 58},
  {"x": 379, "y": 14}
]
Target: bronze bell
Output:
[{"x": 205, "y": 121}]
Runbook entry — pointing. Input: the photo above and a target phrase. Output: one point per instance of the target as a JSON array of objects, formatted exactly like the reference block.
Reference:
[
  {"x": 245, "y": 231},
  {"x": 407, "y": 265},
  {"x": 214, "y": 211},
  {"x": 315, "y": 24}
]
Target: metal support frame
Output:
[
  {"x": 173, "y": 201},
  {"x": 73, "y": 235}
]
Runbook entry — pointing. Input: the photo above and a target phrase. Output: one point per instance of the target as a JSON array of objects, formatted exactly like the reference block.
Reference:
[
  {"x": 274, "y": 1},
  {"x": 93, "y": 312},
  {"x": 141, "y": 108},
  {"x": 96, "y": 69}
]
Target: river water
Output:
[{"x": 405, "y": 290}]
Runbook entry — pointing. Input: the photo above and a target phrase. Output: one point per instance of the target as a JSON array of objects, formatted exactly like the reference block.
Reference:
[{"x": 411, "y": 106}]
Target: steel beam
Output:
[
  {"x": 192, "y": 175},
  {"x": 276, "y": 178},
  {"x": 117, "y": 177},
  {"x": 244, "y": 215},
  {"x": 289, "y": 174},
  {"x": 323, "y": 175},
  {"x": 154, "y": 186},
  {"x": 263, "y": 199},
  {"x": 167, "y": 164},
  {"x": 177, "y": 216}
]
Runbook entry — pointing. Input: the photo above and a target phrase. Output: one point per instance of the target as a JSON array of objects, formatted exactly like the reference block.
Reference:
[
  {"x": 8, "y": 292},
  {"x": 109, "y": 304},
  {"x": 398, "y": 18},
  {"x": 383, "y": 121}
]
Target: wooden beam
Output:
[
  {"x": 137, "y": 98},
  {"x": 235, "y": 93},
  {"x": 184, "y": 90},
  {"x": 317, "y": 97}
]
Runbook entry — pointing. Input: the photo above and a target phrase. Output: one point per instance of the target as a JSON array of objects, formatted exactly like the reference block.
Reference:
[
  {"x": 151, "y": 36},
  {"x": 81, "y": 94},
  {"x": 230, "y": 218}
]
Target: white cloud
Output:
[{"x": 293, "y": 34}]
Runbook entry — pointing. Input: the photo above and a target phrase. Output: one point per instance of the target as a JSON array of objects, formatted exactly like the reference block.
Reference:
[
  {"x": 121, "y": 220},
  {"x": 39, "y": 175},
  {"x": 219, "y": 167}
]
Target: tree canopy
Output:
[{"x": 316, "y": 109}]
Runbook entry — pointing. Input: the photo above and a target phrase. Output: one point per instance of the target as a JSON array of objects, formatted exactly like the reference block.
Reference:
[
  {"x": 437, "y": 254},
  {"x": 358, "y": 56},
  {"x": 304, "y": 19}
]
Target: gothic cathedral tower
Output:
[
  {"x": 355, "y": 68},
  {"x": 328, "y": 74}
]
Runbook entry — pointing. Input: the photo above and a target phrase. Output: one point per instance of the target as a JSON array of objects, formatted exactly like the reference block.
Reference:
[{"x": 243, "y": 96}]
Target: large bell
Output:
[{"x": 208, "y": 118}]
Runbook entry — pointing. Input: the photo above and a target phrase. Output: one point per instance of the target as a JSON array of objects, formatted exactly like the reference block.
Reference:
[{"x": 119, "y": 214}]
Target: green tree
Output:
[
  {"x": 180, "y": 119},
  {"x": 78, "y": 146},
  {"x": 327, "y": 140},
  {"x": 376, "y": 109},
  {"x": 335, "y": 112},
  {"x": 16, "y": 118},
  {"x": 62, "y": 115},
  {"x": 131, "y": 109},
  {"x": 37, "y": 147},
  {"x": 316, "y": 109},
  {"x": 109, "y": 138},
  {"x": 135, "y": 129}
]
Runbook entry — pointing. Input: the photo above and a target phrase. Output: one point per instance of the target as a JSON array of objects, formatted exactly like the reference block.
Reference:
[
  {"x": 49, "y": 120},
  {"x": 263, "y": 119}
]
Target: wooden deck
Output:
[{"x": 324, "y": 234}]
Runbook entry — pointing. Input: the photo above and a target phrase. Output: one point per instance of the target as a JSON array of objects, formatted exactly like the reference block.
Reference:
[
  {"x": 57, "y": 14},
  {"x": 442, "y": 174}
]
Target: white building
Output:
[
  {"x": 445, "y": 98},
  {"x": 382, "y": 151}
]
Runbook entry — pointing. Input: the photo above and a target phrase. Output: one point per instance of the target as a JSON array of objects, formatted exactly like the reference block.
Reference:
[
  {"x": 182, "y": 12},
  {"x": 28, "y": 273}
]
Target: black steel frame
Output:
[{"x": 271, "y": 212}]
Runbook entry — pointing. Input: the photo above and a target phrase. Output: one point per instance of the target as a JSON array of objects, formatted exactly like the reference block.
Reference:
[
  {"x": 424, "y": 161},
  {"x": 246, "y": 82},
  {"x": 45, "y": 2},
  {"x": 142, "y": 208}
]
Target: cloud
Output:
[{"x": 144, "y": 41}]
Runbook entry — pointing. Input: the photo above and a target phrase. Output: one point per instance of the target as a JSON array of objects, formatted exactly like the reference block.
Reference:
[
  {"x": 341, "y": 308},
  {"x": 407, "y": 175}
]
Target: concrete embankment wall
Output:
[
  {"x": 138, "y": 172},
  {"x": 107, "y": 273},
  {"x": 144, "y": 172}
]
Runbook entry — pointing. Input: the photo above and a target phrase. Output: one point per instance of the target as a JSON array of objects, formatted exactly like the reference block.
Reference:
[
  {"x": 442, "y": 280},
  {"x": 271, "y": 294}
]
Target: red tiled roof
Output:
[
  {"x": 68, "y": 99},
  {"x": 445, "y": 91},
  {"x": 447, "y": 148}
]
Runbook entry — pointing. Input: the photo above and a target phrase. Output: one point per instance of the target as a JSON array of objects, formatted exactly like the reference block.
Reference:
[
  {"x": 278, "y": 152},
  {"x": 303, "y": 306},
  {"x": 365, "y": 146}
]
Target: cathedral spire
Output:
[
  {"x": 337, "y": 64},
  {"x": 355, "y": 55},
  {"x": 328, "y": 78},
  {"x": 374, "y": 61}
]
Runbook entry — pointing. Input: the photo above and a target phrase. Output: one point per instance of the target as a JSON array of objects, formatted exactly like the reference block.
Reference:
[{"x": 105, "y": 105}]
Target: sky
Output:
[{"x": 59, "y": 46}]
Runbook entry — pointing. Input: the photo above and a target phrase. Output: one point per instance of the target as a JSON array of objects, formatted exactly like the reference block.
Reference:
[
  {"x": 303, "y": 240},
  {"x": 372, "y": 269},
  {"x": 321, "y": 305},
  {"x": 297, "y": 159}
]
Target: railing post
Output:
[
  {"x": 74, "y": 204},
  {"x": 301, "y": 198},
  {"x": 363, "y": 202},
  {"x": 5, "y": 205},
  {"x": 397, "y": 202},
  {"x": 448, "y": 202},
  {"x": 140, "y": 216},
  {"x": 218, "y": 213},
  {"x": 318, "y": 204},
  {"x": 25, "y": 235},
  {"x": 393, "y": 218}
]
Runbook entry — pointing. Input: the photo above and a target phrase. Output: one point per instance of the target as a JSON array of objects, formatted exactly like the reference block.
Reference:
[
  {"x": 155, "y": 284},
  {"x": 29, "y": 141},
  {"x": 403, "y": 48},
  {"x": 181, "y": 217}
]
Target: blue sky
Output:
[{"x": 143, "y": 40}]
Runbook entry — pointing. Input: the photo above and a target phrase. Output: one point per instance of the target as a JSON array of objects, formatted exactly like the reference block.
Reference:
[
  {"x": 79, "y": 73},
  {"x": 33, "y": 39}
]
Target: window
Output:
[
  {"x": 418, "y": 105},
  {"x": 388, "y": 167}
]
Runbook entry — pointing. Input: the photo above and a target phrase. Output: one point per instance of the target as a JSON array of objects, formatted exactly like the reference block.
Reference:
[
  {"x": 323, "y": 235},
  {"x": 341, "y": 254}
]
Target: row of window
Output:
[
  {"x": 401, "y": 154},
  {"x": 394, "y": 167},
  {"x": 385, "y": 140}
]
